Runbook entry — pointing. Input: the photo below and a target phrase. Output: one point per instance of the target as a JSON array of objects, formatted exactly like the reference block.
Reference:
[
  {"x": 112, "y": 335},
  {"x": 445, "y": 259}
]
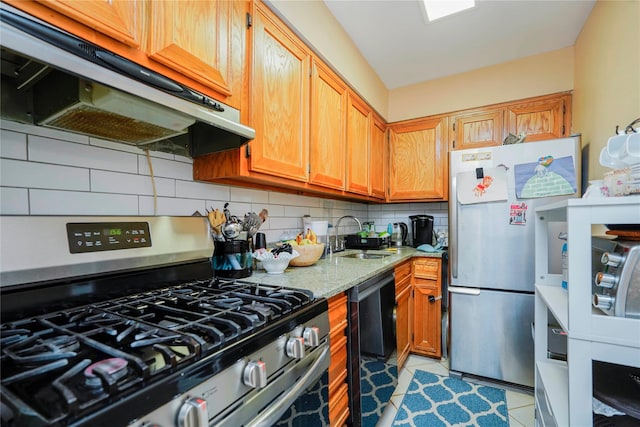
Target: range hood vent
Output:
[
  {"x": 53, "y": 79},
  {"x": 81, "y": 106}
]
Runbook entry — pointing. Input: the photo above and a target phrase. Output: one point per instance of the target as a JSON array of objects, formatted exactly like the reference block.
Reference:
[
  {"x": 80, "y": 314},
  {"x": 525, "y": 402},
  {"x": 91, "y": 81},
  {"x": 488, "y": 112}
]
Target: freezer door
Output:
[{"x": 491, "y": 334}]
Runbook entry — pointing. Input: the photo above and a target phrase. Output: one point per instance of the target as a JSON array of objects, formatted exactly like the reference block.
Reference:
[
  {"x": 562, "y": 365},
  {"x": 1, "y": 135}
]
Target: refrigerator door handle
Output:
[
  {"x": 464, "y": 291},
  {"x": 453, "y": 231}
]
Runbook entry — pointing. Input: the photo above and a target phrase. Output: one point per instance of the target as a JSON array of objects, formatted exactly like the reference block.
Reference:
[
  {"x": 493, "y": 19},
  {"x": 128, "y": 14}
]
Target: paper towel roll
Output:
[{"x": 320, "y": 227}]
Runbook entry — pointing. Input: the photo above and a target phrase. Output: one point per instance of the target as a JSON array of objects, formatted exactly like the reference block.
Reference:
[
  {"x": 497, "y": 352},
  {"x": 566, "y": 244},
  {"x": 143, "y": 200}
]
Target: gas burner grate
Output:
[{"x": 71, "y": 363}]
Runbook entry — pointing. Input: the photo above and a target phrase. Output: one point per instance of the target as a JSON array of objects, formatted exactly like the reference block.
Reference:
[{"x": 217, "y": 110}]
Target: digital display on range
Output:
[
  {"x": 107, "y": 236},
  {"x": 112, "y": 231}
]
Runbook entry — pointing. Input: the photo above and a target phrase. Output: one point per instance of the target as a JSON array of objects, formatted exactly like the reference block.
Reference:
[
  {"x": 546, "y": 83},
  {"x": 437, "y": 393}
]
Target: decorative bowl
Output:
[
  {"x": 274, "y": 264},
  {"x": 309, "y": 254}
]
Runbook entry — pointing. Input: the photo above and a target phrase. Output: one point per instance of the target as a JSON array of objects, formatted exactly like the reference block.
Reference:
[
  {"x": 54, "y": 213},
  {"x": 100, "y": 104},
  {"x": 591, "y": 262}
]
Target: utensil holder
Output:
[{"x": 232, "y": 259}]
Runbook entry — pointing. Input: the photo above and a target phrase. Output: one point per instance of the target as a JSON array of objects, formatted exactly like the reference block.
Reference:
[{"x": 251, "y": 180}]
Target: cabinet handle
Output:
[
  {"x": 394, "y": 317},
  {"x": 433, "y": 299}
]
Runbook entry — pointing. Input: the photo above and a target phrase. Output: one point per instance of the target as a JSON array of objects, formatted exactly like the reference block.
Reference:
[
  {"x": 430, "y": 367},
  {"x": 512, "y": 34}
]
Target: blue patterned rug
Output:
[
  {"x": 378, "y": 380},
  {"x": 432, "y": 401}
]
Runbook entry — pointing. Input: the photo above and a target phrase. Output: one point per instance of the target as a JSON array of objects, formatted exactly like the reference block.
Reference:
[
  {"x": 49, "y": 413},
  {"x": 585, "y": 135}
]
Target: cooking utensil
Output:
[
  {"x": 216, "y": 219},
  {"x": 231, "y": 230},
  {"x": 252, "y": 223},
  {"x": 233, "y": 226},
  {"x": 263, "y": 215}
]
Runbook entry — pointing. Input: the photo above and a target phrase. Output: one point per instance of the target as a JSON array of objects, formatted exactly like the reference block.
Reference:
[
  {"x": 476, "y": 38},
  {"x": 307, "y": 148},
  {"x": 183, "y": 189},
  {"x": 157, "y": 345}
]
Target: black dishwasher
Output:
[
  {"x": 376, "y": 300},
  {"x": 371, "y": 333}
]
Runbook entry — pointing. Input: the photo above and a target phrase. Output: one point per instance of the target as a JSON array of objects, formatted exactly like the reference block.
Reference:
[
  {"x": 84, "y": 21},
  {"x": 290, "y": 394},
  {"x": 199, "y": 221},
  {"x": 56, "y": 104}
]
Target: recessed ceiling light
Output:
[{"x": 438, "y": 8}]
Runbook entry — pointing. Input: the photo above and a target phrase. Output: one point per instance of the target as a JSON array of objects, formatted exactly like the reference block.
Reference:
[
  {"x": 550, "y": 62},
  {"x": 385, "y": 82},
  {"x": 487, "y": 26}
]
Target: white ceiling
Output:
[{"x": 403, "y": 49}]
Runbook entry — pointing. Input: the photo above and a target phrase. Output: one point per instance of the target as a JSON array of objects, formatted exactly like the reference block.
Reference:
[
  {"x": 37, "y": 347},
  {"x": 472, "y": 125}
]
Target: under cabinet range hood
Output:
[{"x": 54, "y": 79}]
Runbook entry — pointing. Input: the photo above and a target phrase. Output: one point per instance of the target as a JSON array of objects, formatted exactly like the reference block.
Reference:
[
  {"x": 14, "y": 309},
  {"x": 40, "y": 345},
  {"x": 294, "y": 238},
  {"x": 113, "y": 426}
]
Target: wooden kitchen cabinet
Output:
[
  {"x": 418, "y": 167},
  {"x": 427, "y": 306},
  {"x": 328, "y": 128},
  {"x": 477, "y": 129},
  {"x": 338, "y": 386},
  {"x": 379, "y": 158},
  {"x": 199, "y": 44},
  {"x": 193, "y": 38},
  {"x": 301, "y": 111},
  {"x": 358, "y": 142},
  {"x": 280, "y": 99},
  {"x": 541, "y": 118},
  {"x": 115, "y": 19},
  {"x": 403, "y": 312}
]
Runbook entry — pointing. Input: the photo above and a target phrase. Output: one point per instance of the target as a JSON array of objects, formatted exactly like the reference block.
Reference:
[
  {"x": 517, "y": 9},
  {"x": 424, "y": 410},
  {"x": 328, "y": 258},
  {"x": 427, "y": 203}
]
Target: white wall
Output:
[
  {"x": 607, "y": 76},
  {"x": 49, "y": 172},
  {"x": 535, "y": 75}
]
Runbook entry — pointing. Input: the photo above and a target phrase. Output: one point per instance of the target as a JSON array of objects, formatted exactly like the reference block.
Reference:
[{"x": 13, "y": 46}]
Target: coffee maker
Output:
[{"x": 421, "y": 229}]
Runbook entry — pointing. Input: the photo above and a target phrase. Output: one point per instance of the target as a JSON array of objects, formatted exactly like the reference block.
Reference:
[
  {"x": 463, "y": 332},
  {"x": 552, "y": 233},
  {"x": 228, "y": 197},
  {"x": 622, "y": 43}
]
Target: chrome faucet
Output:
[{"x": 339, "y": 244}]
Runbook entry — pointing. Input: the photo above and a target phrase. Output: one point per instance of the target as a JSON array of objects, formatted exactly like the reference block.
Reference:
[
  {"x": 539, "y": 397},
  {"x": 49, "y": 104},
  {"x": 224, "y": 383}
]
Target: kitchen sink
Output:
[{"x": 361, "y": 255}]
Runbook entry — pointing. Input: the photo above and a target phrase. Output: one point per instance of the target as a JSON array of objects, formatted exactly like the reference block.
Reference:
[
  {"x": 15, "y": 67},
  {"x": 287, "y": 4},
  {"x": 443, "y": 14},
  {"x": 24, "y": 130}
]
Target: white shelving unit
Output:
[{"x": 565, "y": 388}]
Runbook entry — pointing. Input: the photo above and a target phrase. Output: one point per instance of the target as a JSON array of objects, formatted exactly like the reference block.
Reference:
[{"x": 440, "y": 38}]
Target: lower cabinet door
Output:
[
  {"x": 426, "y": 321},
  {"x": 403, "y": 325}
]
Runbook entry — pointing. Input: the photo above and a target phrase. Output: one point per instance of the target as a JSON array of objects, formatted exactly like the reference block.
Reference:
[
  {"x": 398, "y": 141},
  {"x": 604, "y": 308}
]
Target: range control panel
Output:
[{"x": 107, "y": 236}]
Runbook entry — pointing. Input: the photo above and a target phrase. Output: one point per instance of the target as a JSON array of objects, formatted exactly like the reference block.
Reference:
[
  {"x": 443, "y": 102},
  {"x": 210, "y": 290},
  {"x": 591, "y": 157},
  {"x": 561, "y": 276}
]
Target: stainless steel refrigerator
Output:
[{"x": 493, "y": 195}]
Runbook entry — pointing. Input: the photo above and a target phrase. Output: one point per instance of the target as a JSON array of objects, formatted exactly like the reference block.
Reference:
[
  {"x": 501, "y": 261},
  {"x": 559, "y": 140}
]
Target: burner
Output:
[
  {"x": 36, "y": 350},
  {"x": 113, "y": 369}
]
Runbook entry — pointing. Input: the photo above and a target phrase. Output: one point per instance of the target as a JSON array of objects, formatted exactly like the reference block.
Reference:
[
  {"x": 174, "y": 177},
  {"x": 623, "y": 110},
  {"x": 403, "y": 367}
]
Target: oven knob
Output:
[
  {"x": 193, "y": 413},
  {"x": 295, "y": 347},
  {"x": 311, "y": 336},
  {"x": 605, "y": 280},
  {"x": 603, "y": 302},
  {"x": 255, "y": 374},
  {"x": 611, "y": 259}
]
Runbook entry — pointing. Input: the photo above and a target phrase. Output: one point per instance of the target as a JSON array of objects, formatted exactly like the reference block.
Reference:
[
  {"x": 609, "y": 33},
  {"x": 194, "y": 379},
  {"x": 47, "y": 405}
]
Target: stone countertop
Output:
[{"x": 336, "y": 273}]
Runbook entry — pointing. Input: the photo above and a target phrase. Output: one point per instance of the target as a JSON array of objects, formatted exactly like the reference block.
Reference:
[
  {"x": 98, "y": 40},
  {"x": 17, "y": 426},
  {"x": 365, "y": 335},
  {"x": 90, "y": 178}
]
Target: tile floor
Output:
[{"x": 519, "y": 404}]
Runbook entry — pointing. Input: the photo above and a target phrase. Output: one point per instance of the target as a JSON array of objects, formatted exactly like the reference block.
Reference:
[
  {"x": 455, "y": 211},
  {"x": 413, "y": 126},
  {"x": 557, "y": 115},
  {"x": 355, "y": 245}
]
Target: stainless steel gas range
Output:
[{"x": 118, "y": 321}]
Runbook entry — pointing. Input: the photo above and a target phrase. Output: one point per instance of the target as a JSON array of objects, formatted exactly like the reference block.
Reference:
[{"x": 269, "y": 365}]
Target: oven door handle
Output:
[{"x": 280, "y": 406}]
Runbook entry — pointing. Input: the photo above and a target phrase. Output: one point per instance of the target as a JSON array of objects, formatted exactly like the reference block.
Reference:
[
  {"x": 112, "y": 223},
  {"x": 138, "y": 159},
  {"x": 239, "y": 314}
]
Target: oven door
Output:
[
  {"x": 283, "y": 400},
  {"x": 311, "y": 408}
]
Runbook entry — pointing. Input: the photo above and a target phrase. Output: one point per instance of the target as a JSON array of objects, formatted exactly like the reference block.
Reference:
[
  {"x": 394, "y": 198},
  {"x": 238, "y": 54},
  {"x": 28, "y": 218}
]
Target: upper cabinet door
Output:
[
  {"x": 418, "y": 160},
  {"x": 328, "y": 128},
  {"x": 378, "y": 158},
  {"x": 191, "y": 37},
  {"x": 544, "y": 119},
  {"x": 358, "y": 134},
  {"x": 280, "y": 100},
  {"x": 477, "y": 129},
  {"x": 111, "y": 18}
]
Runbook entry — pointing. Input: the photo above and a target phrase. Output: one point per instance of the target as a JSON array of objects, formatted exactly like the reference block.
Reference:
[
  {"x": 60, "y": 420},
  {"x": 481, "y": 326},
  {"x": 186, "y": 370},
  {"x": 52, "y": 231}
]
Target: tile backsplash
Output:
[{"x": 49, "y": 172}]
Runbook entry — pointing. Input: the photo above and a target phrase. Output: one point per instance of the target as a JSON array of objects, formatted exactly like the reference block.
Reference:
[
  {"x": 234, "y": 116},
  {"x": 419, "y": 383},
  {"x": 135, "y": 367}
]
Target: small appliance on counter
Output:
[
  {"x": 400, "y": 234},
  {"x": 616, "y": 277},
  {"x": 421, "y": 229}
]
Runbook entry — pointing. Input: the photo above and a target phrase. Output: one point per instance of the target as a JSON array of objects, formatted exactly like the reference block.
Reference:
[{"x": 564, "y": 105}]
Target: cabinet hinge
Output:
[
  {"x": 249, "y": 20},
  {"x": 563, "y": 129},
  {"x": 454, "y": 126},
  {"x": 564, "y": 109},
  {"x": 454, "y": 143},
  {"x": 247, "y": 150}
]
